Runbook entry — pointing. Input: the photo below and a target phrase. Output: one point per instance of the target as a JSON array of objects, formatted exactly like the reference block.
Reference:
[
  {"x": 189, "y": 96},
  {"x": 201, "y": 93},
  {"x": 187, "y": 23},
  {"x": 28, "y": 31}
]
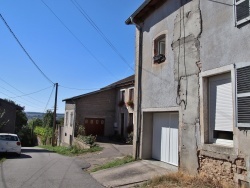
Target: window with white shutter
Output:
[
  {"x": 220, "y": 109},
  {"x": 243, "y": 94},
  {"x": 242, "y": 11}
]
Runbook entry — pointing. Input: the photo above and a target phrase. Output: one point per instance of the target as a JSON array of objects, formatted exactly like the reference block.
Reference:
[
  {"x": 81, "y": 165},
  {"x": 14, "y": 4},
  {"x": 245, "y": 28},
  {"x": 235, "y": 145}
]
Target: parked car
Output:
[{"x": 10, "y": 143}]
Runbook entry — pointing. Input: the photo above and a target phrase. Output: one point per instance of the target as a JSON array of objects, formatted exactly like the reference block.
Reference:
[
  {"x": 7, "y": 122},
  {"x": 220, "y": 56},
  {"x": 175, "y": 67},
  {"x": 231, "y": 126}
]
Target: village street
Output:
[{"x": 43, "y": 169}]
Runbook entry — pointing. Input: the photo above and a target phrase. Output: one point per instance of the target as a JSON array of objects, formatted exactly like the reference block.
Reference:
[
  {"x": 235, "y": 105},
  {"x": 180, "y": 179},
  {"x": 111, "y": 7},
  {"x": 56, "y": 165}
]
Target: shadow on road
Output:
[
  {"x": 14, "y": 156},
  {"x": 112, "y": 140},
  {"x": 35, "y": 150}
]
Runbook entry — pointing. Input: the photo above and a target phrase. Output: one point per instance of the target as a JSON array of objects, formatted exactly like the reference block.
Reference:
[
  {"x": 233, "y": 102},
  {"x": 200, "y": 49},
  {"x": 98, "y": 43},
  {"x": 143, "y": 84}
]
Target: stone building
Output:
[
  {"x": 104, "y": 112},
  {"x": 8, "y": 116},
  {"x": 192, "y": 86}
]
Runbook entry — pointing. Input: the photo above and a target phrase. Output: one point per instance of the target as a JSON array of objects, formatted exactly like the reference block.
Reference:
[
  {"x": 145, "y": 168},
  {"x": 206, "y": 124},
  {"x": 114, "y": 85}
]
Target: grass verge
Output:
[
  {"x": 182, "y": 180},
  {"x": 114, "y": 163},
  {"x": 71, "y": 151}
]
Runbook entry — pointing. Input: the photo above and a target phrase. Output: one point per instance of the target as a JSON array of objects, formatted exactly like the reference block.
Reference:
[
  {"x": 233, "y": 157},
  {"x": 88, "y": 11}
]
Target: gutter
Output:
[
  {"x": 138, "y": 136},
  {"x": 129, "y": 20}
]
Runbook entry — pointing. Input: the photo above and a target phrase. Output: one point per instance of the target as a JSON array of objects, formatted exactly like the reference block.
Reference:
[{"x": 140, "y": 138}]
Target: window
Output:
[
  {"x": 243, "y": 94},
  {"x": 71, "y": 119},
  {"x": 220, "y": 104},
  {"x": 66, "y": 118},
  {"x": 159, "y": 49},
  {"x": 242, "y": 11},
  {"x": 131, "y": 121},
  {"x": 217, "y": 105},
  {"x": 131, "y": 94},
  {"x": 123, "y": 95}
]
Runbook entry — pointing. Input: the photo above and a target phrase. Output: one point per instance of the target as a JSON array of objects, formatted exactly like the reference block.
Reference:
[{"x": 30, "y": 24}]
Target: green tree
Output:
[
  {"x": 48, "y": 119},
  {"x": 21, "y": 120},
  {"x": 35, "y": 122}
]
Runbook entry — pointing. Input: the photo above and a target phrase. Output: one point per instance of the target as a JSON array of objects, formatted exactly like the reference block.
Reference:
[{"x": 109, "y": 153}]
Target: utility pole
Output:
[{"x": 54, "y": 122}]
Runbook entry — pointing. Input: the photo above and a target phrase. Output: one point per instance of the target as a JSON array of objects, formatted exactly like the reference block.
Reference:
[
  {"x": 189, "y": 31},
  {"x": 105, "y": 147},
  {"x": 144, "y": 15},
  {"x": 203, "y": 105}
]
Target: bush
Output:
[
  {"x": 90, "y": 140},
  {"x": 81, "y": 130},
  {"x": 44, "y": 132}
]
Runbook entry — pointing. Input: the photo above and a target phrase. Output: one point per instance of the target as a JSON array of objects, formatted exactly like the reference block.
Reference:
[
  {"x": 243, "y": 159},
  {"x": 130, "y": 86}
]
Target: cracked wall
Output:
[{"x": 186, "y": 48}]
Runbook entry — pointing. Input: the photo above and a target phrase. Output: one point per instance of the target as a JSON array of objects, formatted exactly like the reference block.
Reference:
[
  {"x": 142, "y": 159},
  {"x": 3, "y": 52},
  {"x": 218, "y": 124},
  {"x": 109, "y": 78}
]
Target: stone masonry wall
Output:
[{"x": 222, "y": 170}]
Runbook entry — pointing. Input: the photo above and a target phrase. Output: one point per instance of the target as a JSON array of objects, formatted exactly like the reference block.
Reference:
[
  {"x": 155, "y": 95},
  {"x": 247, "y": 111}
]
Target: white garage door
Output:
[{"x": 165, "y": 137}]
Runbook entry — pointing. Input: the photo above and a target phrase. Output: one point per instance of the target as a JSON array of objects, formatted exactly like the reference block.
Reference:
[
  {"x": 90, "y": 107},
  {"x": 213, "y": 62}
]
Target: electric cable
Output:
[
  {"x": 99, "y": 31},
  {"x": 15, "y": 94},
  {"x": 33, "y": 92},
  {"x": 19, "y": 101},
  {"x": 23, "y": 92},
  {"x": 49, "y": 99},
  {"x": 25, "y": 51},
  {"x": 84, "y": 46}
]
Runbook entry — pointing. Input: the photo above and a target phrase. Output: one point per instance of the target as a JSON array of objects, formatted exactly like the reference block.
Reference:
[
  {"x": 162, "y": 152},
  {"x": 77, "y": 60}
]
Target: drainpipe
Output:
[
  {"x": 74, "y": 121},
  {"x": 138, "y": 136}
]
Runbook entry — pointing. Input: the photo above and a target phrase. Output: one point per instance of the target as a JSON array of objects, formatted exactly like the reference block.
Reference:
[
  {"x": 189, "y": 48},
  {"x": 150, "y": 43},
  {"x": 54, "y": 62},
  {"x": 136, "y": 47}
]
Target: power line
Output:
[
  {"x": 33, "y": 92},
  {"x": 85, "y": 47},
  {"x": 25, "y": 51},
  {"x": 15, "y": 94},
  {"x": 99, "y": 31},
  {"x": 21, "y": 91},
  {"x": 18, "y": 100},
  {"x": 49, "y": 99}
]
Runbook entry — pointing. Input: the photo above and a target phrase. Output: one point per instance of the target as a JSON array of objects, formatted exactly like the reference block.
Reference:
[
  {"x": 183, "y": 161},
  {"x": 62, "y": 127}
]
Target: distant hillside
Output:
[{"x": 32, "y": 115}]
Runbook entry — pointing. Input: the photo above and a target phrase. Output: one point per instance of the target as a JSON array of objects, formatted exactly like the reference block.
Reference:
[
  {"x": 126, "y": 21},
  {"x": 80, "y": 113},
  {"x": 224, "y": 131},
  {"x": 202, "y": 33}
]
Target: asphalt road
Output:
[{"x": 38, "y": 168}]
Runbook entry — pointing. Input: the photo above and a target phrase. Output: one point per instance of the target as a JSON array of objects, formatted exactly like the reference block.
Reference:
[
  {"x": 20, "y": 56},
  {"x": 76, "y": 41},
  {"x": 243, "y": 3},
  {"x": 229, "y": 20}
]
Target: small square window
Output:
[{"x": 159, "y": 49}]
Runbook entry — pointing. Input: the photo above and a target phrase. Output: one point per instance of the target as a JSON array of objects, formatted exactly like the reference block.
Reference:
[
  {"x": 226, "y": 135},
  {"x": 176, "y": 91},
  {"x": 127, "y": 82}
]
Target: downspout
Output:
[
  {"x": 138, "y": 136},
  {"x": 74, "y": 121}
]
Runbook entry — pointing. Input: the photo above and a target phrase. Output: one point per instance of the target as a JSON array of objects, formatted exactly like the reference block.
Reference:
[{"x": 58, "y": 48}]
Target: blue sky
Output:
[{"x": 61, "y": 54}]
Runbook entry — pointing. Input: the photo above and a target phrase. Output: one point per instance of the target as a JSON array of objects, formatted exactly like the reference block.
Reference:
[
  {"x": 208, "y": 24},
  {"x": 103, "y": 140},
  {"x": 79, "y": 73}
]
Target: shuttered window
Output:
[
  {"x": 243, "y": 94},
  {"x": 220, "y": 109},
  {"x": 242, "y": 10},
  {"x": 221, "y": 102}
]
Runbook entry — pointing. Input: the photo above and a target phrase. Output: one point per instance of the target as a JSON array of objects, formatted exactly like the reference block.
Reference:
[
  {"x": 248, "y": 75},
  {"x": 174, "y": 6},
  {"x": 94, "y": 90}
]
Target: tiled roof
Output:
[{"x": 124, "y": 82}]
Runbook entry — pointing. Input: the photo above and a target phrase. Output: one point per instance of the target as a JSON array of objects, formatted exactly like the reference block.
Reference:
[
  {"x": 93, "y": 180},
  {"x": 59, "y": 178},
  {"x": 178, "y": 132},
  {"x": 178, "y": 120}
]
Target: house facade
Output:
[
  {"x": 192, "y": 86},
  {"x": 8, "y": 116},
  {"x": 103, "y": 112}
]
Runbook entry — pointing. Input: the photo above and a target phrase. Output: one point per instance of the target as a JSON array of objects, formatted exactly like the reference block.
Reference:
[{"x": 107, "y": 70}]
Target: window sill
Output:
[{"x": 218, "y": 151}]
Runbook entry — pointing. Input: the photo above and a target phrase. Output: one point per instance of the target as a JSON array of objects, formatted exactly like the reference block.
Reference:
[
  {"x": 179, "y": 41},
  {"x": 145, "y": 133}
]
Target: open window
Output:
[
  {"x": 159, "y": 49},
  {"x": 242, "y": 11}
]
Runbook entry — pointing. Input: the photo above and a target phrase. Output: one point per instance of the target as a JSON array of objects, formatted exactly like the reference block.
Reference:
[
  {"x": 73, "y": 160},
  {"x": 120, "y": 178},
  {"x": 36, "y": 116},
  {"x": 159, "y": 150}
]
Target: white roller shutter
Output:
[{"x": 221, "y": 103}]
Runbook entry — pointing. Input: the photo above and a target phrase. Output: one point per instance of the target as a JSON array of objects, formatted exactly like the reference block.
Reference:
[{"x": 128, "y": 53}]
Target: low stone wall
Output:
[
  {"x": 40, "y": 143},
  {"x": 80, "y": 144},
  {"x": 223, "y": 170}
]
